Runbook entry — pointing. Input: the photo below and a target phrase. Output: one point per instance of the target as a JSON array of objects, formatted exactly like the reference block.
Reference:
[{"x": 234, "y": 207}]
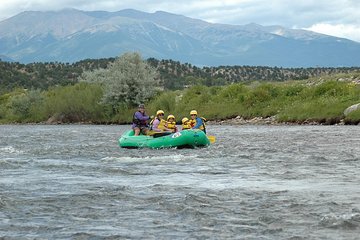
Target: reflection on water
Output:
[{"x": 255, "y": 182}]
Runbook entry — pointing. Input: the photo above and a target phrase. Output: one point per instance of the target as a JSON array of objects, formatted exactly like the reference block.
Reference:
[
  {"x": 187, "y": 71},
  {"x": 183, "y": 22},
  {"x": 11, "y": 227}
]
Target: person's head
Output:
[
  {"x": 193, "y": 114},
  {"x": 160, "y": 114},
  {"x": 171, "y": 118},
  {"x": 184, "y": 120},
  {"x": 141, "y": 108}
]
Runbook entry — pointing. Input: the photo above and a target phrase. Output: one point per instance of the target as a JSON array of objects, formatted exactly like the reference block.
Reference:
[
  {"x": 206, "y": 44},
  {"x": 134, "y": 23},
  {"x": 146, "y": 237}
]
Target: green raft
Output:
[{"x": 183, "y": 139}]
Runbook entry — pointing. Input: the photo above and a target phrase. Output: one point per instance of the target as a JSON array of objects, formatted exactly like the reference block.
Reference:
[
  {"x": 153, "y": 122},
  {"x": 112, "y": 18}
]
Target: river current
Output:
[{"x": 255, "y": 182}]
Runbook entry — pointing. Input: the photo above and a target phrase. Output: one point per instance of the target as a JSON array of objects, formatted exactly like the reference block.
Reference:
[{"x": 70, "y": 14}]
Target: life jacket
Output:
[
  {"x": 186, "y": 125},
  {"x": 193, "y": 123},
  {"x": 139, "y": 122},
  {"x": 162, "y": 125},
  {"x": 171, "y": 125}
]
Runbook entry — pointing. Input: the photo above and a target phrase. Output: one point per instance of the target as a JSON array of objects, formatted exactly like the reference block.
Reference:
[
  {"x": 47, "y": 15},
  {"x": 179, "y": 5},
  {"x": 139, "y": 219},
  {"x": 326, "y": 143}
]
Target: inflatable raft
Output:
[{"x": 183, "y": 139}]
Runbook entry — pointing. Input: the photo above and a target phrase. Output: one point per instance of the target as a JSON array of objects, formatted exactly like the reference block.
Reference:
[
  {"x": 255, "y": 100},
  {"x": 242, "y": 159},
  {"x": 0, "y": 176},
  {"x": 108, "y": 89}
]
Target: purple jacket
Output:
[{"x": 140, "y": 120}]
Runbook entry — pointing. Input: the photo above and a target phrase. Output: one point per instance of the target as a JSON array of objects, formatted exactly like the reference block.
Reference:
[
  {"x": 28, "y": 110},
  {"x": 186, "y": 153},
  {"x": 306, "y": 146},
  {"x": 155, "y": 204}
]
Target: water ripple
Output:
[{"x": 256, "y": 182}]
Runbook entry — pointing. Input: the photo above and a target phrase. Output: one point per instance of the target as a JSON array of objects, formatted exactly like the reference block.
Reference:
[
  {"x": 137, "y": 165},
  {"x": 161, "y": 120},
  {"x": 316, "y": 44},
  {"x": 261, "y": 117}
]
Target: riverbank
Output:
[
  {"x": 229, "y": 121},
  {"x": 289, "y": 103},
  {"x": 273, "y": 121}
]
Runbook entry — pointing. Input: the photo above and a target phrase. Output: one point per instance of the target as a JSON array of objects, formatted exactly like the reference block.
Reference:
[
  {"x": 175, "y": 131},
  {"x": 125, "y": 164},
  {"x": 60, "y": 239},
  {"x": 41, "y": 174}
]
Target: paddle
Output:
[
  {"x": 212, "y": 139},
  {"x": 162, "y": 134},
  {"x": 158, "y": 134}
]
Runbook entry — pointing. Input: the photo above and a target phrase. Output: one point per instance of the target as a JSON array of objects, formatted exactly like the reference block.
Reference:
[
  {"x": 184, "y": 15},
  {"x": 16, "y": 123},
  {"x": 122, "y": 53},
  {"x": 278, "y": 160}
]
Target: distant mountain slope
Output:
[
  {"x": 71, "y": 35},
  {"x": 5, "y": 58}
]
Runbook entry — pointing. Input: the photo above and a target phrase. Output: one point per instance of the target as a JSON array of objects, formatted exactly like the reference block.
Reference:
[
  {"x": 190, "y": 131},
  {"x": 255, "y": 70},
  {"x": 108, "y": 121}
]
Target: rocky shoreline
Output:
[{"x": 272, "y": 121}]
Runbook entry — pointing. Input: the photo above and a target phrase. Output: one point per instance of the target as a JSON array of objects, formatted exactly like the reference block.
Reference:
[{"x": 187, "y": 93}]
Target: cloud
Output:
[
  {"x": 339, "y": 30},
  {"x": 283, "y": 12},
  {"x": 305, "y": 14}
]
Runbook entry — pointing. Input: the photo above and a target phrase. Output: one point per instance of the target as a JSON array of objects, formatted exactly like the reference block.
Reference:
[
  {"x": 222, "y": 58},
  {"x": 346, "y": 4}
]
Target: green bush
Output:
[
  {"x": 21, "y": 105},
  {"x": 77, "y": 103},
  {"x": 290, "y": 101},
  {"x": 128, "y": 79},
  {"x": 233, "y": 93},
  {"x": 165, "y": 101}
]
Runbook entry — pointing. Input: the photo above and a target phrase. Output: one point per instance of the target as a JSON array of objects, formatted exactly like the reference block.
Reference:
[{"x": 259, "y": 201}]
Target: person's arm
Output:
[
  {"x": 198, "y": 124},
  {"x": 141, "y": 117},
  {"x": 155, "y": 125}
]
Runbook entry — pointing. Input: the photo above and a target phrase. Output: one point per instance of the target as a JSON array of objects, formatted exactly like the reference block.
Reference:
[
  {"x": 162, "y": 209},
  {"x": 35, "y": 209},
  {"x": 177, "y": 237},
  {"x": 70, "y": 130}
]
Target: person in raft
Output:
[
  {"x": 197, "y": 122},
  {"x": 171, "y": 123},
  {"x": 185, "y": 123},
  {"x": 140, "y": 121},
  {"x": 159, "y": 124}
]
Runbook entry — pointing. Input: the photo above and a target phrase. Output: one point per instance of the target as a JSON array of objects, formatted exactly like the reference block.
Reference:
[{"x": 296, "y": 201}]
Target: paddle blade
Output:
[
  {"x": 212, "y": 139},
  {"x": 158, "y": 134}
]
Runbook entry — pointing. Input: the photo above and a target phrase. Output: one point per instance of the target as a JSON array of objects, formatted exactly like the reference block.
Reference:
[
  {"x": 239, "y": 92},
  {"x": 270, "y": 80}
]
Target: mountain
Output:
[
  {"x": 5, "y": 58},
  {"x": 70, "y": 35}
]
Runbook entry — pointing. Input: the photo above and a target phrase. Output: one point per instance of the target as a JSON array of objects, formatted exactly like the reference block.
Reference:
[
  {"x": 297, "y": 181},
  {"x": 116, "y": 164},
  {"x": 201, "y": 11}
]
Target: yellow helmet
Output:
[
  {"x": 193, "y": 112},
  {"x": 184, "y": 120},
  {"x": 171, "y": 116},
  {"x": 159, "y": 112}
]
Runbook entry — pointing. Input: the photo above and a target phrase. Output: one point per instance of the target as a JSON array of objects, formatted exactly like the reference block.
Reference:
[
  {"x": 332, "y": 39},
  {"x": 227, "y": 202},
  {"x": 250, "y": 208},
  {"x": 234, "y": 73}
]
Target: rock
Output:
[
  {"x": 351, "y": 109},
  {"x": 52, "y": 120},
  {"x": 238, "y": 120},
  {"x": 56, "y": 119}
]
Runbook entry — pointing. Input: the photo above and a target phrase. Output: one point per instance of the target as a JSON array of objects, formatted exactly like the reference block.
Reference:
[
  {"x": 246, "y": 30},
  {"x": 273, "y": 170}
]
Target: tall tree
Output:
[{"x": 129, "y": 79}]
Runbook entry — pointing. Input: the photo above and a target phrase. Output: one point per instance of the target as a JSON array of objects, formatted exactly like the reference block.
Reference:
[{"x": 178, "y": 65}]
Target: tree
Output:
[
  {"x": 128, "y": 80},
  {"x": 20, "y": 105}
]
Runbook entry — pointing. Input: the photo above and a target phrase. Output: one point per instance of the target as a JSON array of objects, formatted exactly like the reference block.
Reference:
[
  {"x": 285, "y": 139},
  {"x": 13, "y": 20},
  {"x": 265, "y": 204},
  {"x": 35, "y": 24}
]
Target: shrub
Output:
[
  {"x": 75, "y": 103},
  {"x": 21, "y": 105},
  {"x": 128, "y": 80}
]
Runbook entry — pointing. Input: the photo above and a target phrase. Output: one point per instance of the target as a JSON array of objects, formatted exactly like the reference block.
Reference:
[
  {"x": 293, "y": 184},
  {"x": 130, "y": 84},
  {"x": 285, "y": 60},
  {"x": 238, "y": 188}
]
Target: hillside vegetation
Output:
[{"x": 173, "y": 75}]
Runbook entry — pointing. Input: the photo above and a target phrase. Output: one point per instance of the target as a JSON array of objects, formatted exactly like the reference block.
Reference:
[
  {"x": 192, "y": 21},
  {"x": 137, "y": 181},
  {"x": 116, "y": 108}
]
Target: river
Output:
[{"x": 255, "y": 182}]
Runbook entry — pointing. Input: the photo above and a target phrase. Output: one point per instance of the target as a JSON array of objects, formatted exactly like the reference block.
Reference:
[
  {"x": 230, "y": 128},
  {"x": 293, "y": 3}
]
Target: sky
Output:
[{"x": 339, "y": 18}]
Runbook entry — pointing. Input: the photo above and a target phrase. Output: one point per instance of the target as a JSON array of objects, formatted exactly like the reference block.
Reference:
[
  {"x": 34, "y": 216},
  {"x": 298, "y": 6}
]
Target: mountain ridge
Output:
[{"x": 71, "y": 35}]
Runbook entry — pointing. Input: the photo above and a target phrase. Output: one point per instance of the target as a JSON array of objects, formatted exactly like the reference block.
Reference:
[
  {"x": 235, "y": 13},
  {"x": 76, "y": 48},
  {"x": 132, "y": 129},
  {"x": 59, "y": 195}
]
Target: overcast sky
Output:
[{"x": 334, "y": 17}]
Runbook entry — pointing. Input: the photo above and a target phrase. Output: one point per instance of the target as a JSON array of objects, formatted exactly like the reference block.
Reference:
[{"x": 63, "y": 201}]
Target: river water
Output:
[{"x": 255, "y": 182}]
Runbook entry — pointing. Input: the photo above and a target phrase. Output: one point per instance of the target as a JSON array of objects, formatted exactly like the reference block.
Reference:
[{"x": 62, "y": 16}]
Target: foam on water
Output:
[
  {"x": 9, "y": 149},
  {"x": 175, "y": 158},
  {"x": 344, "y": 221}
]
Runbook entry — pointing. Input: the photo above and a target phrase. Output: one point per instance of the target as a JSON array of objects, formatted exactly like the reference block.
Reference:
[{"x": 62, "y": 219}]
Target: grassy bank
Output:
[
  {"x": 293, "y": 101},
  {"x": 288, "y": 102}
]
